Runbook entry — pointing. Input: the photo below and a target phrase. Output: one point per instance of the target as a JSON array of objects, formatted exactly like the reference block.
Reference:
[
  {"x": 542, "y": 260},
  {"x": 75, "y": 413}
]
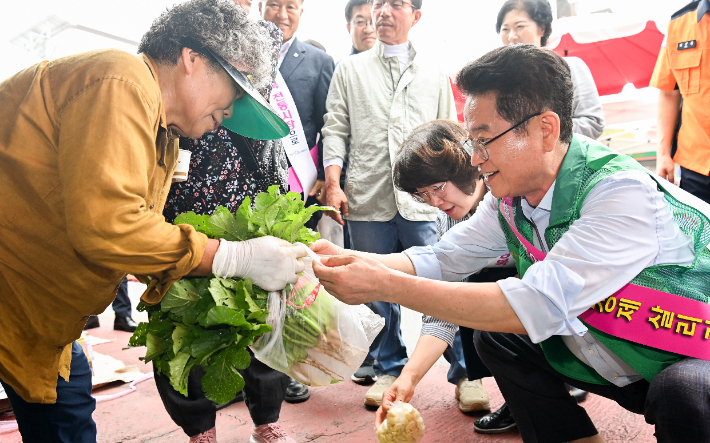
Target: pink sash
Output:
[
  {"x": 294, "y": 183},
  {"x": 664, "y": 321}
]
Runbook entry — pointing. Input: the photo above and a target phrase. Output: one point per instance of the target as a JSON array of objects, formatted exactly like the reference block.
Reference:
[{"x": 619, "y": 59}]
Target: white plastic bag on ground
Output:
[{"x": 316, "y": 338}]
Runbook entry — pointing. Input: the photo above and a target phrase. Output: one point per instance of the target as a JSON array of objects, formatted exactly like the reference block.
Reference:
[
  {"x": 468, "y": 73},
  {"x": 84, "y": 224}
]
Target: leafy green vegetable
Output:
[
  {"x": 221, "y": 377},
  {"x": 308, "y": 327},
  {"x": 210, "y": 321}
]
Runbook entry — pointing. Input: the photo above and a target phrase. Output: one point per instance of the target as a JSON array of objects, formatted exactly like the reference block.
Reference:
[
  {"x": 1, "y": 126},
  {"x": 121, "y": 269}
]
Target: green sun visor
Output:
[{"x": 253, "y": 117}]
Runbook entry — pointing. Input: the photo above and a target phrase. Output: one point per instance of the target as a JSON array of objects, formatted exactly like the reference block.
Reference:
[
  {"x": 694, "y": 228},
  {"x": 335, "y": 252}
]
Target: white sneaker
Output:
[
  {"x": 471, "y": 395},
  {"x": 374, "y": 394}
]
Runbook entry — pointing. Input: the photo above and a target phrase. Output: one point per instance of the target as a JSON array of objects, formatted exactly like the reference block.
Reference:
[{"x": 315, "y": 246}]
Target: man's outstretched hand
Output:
[
  {"x": 353, "y": 279},
  {"x": 324, "y": 247}
]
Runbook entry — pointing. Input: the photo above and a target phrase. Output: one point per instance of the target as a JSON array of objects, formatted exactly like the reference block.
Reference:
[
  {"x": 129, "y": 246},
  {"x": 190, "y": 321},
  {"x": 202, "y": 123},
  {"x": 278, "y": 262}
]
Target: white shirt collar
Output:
[
  {"x": 545, "y": 203},
  {"x": 284, "y": 49},
  {"x": 391, "y": 50},
  {"x": 400, "y": 51}
]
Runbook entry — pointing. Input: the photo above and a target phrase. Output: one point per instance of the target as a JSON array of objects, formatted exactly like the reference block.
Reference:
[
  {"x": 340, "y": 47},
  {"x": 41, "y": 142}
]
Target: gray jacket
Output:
[
  {"x": 372, "y": 108},
  {"x": 587, "y": 112}
]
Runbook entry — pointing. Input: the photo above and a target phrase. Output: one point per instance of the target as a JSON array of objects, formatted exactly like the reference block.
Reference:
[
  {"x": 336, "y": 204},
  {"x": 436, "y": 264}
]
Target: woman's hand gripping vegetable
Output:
[{"x": 270, "y": 262}]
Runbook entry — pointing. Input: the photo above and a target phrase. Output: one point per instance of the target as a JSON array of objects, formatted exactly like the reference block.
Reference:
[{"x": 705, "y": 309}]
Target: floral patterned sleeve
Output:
[{"x": 219, "y": 175}]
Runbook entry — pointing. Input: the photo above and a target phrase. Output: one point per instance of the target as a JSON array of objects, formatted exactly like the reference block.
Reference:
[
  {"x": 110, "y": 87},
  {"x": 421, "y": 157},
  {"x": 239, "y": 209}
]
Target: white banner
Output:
[{"x": 295, "y": 143}]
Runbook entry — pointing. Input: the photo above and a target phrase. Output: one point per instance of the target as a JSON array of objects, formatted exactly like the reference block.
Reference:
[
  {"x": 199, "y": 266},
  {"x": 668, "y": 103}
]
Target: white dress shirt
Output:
[
  {"x": 284, "y": 50},
  {"x": 625, "y": 226}
]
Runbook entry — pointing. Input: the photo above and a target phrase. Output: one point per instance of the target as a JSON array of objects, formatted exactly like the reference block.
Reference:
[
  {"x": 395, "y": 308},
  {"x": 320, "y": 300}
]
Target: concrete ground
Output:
[{"x": 332, "y": 414}]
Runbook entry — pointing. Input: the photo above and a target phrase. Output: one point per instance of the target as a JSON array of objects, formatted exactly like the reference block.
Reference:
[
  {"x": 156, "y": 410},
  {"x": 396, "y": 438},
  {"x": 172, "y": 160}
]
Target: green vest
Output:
[{"x": 585, "y": 164}]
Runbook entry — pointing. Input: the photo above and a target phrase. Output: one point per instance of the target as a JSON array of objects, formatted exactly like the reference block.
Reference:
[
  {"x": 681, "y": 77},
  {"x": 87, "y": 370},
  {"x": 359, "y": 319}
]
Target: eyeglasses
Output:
[
  {"x": 427, "y": 196},
  {"x": 472, "y": 145},
  {"x": 362, "y": 23},
  {"x": 395, "y": 5}
]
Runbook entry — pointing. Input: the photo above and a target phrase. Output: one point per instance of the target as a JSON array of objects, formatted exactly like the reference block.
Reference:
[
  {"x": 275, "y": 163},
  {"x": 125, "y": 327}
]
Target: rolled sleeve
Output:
[
  {"x": 543, "y": 299},
  {"x": 425, "y": 261},
  {"x": 189, "y": 253},
  {"x": 333, "y": 162},
  {"x": 440, "y": 329}
]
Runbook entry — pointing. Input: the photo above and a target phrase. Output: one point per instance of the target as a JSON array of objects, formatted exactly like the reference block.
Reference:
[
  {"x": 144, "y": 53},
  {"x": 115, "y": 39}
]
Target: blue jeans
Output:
[
  {"x": 386, "y": 238},
  {"x": 69, "y": 419},
  {"x": 455, "y": 356}
]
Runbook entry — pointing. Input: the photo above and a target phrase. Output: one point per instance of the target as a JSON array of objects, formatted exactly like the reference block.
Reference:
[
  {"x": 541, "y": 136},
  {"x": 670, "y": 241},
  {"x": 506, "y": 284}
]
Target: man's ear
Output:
[
  {"x": 550, "y": 125},
  {"x": 188, "y": 57},
  {"x": 348, "y": 26},
  {"x": 260, "y": 13},
  {"x": 417, "y": 17}
]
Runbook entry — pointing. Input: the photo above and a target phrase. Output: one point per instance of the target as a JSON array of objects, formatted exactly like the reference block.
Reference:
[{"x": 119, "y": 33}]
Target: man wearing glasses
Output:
[
  {"x": 358, "y": 19},
  {"x": 375, "y": 100},
  {"x": 613, "y": 264}
]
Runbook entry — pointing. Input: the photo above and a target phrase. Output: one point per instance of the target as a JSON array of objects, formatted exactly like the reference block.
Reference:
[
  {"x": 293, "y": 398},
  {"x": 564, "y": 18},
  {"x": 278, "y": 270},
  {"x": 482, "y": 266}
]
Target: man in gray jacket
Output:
[{"x": 375, "y": 100}]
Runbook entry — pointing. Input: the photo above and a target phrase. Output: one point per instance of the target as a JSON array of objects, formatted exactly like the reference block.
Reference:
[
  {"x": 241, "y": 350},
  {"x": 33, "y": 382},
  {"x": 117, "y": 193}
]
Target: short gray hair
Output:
[{"x": 219, "y": 25}]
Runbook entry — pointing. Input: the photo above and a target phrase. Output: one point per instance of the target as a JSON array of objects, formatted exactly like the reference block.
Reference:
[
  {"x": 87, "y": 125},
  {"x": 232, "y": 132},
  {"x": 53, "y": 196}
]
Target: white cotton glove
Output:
[{"x": 270, "y": 262}]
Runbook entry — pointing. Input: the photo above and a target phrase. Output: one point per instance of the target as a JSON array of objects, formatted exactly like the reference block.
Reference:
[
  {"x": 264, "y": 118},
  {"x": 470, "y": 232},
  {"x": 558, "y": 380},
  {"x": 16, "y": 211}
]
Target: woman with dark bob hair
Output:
[
  {"x": 530, "y": 21},
  {"x": 434, "y": 167}
]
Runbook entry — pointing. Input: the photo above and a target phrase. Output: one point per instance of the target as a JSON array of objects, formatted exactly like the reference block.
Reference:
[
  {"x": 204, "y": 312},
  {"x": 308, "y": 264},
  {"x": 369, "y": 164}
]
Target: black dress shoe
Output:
[
  {"x": 578, "y": 394},
  {"x": 125, "y": 324},
  {"x": 92, "y": 322},
  {"x": 495, "y": 422},
  {"x": 297, "y": 392}
]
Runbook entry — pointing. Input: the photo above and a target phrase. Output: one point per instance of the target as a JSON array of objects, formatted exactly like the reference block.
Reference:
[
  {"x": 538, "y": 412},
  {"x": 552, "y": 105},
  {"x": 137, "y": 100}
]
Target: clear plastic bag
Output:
[
  {"x": 316, "y": 338},
  {"x": 403, "y": 424}
]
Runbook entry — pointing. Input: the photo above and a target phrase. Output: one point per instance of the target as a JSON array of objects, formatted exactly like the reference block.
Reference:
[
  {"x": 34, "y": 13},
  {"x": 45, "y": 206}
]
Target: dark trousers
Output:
[
  {"x": 475, "y": 369},
  {"x": 264, "y": 391},
  {"x": 695, "y": 183},
  {"x": 677, "y": 401},
  {"x": 69, "y": 419},
  {"x": 122, "y": 304}
]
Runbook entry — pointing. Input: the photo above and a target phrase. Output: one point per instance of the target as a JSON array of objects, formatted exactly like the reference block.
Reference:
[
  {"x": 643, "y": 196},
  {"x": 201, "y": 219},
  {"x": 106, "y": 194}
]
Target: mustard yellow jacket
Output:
[{"x": 86, "y": 161}]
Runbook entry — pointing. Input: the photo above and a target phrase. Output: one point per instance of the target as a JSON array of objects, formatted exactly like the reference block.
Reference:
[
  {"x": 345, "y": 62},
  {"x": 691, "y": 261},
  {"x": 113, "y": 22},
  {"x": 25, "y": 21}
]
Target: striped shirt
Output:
[{"x": 431, "y": 325}]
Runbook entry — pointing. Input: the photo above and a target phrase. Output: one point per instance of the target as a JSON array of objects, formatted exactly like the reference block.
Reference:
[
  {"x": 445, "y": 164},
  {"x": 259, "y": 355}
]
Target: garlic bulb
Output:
[{"x": 403, "y": 424}]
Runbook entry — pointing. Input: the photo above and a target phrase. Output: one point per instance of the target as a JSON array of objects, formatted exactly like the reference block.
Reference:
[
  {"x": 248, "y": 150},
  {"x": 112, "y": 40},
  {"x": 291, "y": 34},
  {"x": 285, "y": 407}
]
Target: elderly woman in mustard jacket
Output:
[{"x": 88, "y": 145}]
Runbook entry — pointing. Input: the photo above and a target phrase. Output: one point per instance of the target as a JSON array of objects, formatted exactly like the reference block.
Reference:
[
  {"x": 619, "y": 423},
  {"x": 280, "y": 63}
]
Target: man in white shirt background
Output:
[
  {"x": 582, "y": 222},
  {"x": 375, "y": 100}
]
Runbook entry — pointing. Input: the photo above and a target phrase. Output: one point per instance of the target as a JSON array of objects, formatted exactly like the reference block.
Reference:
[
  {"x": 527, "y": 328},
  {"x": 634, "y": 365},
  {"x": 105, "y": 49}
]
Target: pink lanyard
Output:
[{"x": 669, "y": 322}]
